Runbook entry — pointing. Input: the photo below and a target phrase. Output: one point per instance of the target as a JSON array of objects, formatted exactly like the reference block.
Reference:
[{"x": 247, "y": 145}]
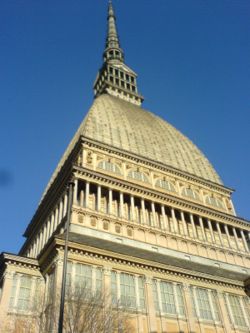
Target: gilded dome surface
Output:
[{"x": 126, "y": 126}]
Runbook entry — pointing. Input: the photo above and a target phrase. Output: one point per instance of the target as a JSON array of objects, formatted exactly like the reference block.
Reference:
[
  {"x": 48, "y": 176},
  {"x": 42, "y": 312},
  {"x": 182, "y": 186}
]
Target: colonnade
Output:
[
  {"x": 50, "y": 225},
  {"x": 142, "y": 211},
  {"x": 152, "y": 214}
]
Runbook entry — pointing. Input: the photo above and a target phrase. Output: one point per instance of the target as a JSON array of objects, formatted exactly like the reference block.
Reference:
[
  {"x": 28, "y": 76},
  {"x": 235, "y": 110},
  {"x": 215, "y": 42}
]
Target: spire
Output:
[
  {"x": 113, "y": 49},
  {"x": 115, "y": 78}
]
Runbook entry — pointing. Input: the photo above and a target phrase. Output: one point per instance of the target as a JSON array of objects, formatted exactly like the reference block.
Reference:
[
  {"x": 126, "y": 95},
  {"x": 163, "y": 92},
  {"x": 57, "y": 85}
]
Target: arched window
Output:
[
  {"x": 166, "y": 185},
  {"x": 137, "y": 175},
  {"x": 216, "y": 202},
  {"x": 190, "y": 193},
  {"x": 108, "y": 166}
]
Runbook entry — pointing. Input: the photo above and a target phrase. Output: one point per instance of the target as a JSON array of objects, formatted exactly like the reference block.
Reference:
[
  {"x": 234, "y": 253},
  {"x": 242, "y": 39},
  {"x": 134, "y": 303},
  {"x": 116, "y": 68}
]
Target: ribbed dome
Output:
[{"x": 123, "y": 125}]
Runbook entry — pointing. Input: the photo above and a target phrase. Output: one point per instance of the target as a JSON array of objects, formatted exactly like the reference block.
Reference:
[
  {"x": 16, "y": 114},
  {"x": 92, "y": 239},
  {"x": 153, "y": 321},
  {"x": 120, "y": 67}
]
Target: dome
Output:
[
  {"x": 124, "y": 125},
  {"x": 129, "y": 127}
]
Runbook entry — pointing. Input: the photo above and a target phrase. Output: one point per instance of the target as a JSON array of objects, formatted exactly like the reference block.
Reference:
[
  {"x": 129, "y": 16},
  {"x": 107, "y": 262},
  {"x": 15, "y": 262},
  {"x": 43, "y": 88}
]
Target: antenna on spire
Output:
[{"x": 115, "y": 78}]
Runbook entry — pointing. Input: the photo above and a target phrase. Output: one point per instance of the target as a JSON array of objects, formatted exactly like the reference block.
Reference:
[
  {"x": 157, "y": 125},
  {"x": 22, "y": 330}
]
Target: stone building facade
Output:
[{"x": 151, "y": 221}]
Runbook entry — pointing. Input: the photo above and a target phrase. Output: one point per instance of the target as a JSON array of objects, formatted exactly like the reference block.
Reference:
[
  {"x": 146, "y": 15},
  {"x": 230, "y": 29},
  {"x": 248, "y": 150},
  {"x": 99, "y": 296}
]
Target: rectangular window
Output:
[
  {"x": 20, "y": 298},
  {"x": 127, "y": 287},
  {"x": 83, "y": 279},
  {"x": 203, "y": 304},
  {"x": 237, "y": 311},
  {"x": 128, "y": 291},
  {"x": 167, "y": 297}
]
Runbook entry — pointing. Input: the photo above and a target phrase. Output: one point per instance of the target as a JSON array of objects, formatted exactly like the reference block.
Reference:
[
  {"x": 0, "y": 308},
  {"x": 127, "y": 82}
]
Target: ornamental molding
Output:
[
  {"x": 152, "y": 267},
  {"x": 164, "y": 198},
  {"x": 102, "y": 217},
  {"x": 90, "y": 143}
]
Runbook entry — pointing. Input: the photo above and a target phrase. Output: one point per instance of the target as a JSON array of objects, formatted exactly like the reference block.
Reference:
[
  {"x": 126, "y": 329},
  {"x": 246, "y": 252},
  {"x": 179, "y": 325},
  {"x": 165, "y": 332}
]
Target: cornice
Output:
[
  {"x": 160, "y": 166},
  {"x": 165, "y": 198},
  {"x": 109, "y": 256}
]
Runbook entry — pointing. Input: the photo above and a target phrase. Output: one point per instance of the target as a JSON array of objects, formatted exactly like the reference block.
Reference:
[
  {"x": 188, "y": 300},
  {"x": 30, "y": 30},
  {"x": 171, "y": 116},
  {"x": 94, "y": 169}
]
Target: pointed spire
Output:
[
  {"x": 113, "y": 49},
  {"x": 115, "y": 78}
]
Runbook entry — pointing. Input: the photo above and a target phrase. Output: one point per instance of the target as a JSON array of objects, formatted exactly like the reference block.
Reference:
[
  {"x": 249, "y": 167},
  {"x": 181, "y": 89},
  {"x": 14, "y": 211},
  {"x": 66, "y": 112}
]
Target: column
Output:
[
  {"x": 87, "y": 194},
  {"x": 163, "y": 213},
  {"x": 98, "y": 199},
  {"x": 219, "y": 232},
  {"x": 229, "y": 309},
  {"x": 174, "y": 220},
  {"x": 75, "y": 192},
  {"x": 247, "y": 319},
  {"x": 48, "y": 229},
  {"x": 196, "y": 305},
  {"x": 56, "y": 218},
  {"x": 132, "y": 208},
  {"x": 5, "y": 297},
  {"x": 189, "y": 307},
  {"x": 153, "y": 214},
  {"x": 138, "y": 306},
  {"x": 193, "y": 225},
  {"x": 211, "y": 304},
  {"x": 224, "y": 319},
  {"x": 121, "y": 204},
  {"x": 65, "y": 204},
  {"x": 60, "y": 212},
  {"x": 82, "y": 198},
  {"x": 244, "y": 240},
  {"x": 202, "y": 228},
  {"x": 236, "y": 238},
  {"x": 107, "y": 284},
  {"x": 110, "y": 200},
  {"x": 211, "y": 230},
  {"x": 52, "y": 223},
  {"x": 184, "y": 223},
  {"x": 143, "y": 211},
  {"x": 150, "y": 305},
  {"x": 177, "y": 306},
  {"x": 228, "y": 235}
]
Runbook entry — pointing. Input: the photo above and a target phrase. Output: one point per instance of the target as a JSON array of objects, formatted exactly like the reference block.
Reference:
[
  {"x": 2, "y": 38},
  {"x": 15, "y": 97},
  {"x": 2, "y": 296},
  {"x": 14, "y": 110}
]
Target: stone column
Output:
[
  {"x": 163, "y": 213},
  {"x": 189, "y": 308},
  {"x": 143, "y": 211},
  {"x": 87, "y": 186},
  {"x": 174, "y": 220},
  {"x": 75, "y": 192},
  {"x": 196, "y": 305},
  {"x": 245, "y": 315},
  {"x": 181, "y": 328},
  {"x": 52, "y": 222},
  {"x": 184, "y": 223},
  {"x": 229, "y": 309},
  {"x": 110, "y": 201},
  {"x": 82, "y": 198},
  {"x": 219, "y": 233},
  {"x": 211, "y": 230},
  {"x": 132, "y": 208},
  {"x": 236, "y": 238},
  {"x": 121, "y": 205},
  {"x": 65, "y": 205},
  {"x": 5, "y": 298},
  {"x": 244, "y": 240},
  {"x": 228, "y": 235},
  {"x": 98, "y": 199},
  {"x": 202, "y": 229},
  {"x": 223, "y": 310},
  {"x": 107, "y": 283},
  {"x": 150, "y": 306},
  {"x": 193, "y": 225},
  {"x": 153, "y": 214}
]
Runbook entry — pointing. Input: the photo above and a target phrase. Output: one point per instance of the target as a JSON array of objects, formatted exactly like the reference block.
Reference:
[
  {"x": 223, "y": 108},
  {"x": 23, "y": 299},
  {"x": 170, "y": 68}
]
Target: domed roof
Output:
[
  {"x": 123, "y": 125},
  {"x": 126, "y": 126}
]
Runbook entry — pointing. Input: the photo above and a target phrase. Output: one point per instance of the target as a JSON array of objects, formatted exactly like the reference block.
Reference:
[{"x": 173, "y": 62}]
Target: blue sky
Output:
[{"x": 192, "y": 58}]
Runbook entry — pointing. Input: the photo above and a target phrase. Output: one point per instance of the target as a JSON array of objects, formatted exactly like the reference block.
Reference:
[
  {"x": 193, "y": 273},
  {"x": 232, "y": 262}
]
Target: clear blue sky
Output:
[{"x": 192, "y": 57}]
